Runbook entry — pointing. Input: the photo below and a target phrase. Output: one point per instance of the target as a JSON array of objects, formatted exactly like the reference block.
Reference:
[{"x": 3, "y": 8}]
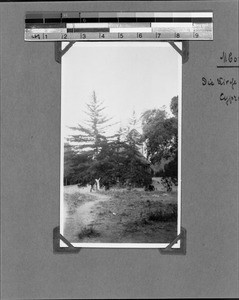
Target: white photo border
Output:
[{"x": 179, "y": 192}]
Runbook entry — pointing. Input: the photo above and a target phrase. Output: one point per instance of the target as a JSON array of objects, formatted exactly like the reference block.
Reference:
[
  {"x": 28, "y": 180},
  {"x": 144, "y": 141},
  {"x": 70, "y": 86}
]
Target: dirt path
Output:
[
  {"x": 85, "y": 213},
  {"x": 118, "y": 216}
]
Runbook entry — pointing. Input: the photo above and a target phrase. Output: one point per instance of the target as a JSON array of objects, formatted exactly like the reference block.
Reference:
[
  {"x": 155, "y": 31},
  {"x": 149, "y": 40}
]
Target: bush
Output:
[
  {"x": 168, "y": 214},
  {"x": 88, "y": 232},
  {"x": 168, "y": 182}
]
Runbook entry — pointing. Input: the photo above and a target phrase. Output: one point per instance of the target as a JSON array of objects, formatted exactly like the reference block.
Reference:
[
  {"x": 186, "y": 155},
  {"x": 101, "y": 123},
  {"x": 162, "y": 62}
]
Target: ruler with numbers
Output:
[{"x": 118, "y": 26}]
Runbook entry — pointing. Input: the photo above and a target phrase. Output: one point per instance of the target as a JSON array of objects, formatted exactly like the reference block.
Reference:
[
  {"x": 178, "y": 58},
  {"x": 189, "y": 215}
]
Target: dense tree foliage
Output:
[
  {"x": 114, "y": 159},
  {"x": 76, "y": 166},
  {"x": 160, "y": 133},
  {"x": 120, "y": 158}
]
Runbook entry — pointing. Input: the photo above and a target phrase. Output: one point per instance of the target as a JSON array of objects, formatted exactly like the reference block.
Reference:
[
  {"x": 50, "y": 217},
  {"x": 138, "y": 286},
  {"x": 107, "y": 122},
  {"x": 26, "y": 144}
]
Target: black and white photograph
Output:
[{"x": 120, "y": 162}]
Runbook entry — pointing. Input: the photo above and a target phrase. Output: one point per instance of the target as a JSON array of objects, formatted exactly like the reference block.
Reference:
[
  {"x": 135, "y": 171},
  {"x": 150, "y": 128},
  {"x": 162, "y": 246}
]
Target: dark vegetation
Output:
[
  {"x": 166, "y": 214},
  {"x": 117, "y": 160},
  {"x": 88, "y": 232}
]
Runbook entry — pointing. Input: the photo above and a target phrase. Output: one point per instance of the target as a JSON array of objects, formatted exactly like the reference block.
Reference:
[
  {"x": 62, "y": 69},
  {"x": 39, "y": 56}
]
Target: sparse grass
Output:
[
  {"x": 140, "y": 210},
  {"x": 74, "y": 200},
  {"x": 166, "y": 214},
  {"x": 138, "y": 194},
  {"x": 88, "y": 232},
  {"x": 128, "y": 216}
]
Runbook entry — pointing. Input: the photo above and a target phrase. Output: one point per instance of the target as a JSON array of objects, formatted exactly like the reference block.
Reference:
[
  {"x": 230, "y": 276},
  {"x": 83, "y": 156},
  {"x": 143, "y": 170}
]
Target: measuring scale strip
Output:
[
  {"x": 118, "y": 36},
  {"x": 118, "y": 25}
]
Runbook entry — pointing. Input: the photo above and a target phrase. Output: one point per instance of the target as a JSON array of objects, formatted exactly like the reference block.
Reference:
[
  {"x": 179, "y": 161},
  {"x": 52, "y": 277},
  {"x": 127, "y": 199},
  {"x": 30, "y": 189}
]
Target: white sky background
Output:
[{"x": 127, "y": 76}]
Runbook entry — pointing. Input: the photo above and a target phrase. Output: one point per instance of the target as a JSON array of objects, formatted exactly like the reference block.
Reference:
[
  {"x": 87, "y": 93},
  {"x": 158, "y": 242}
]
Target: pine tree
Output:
[
  {"x": 91, "y": 136},
  {"x": 108, "y": 159},
  {"x": 91, "y": 144}
]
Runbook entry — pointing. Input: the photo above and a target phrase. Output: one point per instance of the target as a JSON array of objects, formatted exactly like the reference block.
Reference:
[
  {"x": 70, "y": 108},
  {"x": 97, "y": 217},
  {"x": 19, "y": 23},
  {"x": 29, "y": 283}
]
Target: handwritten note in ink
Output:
[{"x": 225, "y": 85}]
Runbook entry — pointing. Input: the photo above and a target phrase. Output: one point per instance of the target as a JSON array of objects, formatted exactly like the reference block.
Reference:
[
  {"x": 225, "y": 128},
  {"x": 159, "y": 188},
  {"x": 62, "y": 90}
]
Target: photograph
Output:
[{"x": 121, "y": 144}]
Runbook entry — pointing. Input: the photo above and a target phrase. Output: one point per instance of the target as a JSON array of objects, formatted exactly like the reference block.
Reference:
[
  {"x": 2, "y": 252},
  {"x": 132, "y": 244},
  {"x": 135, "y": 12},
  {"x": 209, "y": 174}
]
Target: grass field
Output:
[{"x": 120, "y": 216}]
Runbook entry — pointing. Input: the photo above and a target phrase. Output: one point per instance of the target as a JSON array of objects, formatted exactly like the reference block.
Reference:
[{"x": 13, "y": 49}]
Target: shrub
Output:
[
  {"x": 88, "y": 232},
  {"x": 167, "y": 214}
]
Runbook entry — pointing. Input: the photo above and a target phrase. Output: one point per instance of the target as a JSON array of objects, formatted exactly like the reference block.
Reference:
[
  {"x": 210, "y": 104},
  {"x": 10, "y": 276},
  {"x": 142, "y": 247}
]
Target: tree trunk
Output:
[{"x": 97, "y": 184}]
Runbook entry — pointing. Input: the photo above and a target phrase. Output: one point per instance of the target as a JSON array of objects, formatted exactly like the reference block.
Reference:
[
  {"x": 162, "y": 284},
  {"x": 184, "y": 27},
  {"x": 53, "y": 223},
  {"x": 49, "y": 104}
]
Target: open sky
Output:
[{"x": 127, "y": 76}]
